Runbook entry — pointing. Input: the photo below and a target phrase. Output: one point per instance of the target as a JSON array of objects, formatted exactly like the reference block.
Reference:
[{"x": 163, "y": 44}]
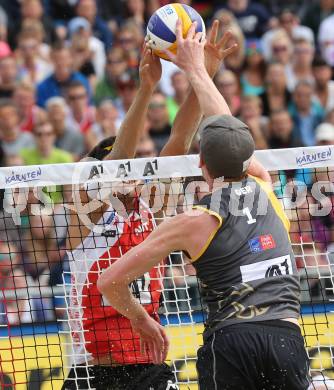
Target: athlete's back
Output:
[{"x": 255, "y": 276}]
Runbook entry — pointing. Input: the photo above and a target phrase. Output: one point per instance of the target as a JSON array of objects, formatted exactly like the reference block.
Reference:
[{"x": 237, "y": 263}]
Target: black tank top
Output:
[{"x": 247, "y": 271}]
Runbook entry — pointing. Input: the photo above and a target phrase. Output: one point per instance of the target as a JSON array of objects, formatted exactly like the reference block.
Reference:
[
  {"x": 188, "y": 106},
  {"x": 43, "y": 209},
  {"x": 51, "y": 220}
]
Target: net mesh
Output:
[{"x": 51, "y": 314}]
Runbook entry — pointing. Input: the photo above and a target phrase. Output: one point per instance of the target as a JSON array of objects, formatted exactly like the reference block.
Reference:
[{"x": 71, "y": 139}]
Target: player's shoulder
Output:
[
  {"x": 194, "y": 218},
  {"x": 263, "y": 184}
]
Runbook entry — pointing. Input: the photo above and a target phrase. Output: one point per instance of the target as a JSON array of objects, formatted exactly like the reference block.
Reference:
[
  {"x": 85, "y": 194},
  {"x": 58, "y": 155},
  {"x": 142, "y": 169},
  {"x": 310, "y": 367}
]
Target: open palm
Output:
[
  {"x": 149, "y": 69},
  {"x": 216, "y": 52}
]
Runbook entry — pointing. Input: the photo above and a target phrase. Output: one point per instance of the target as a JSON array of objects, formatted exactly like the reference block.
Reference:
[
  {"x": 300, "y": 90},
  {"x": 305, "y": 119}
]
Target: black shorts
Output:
[
  {"x": 251, "y": 356},
  {"x": 129, "y": 377}
]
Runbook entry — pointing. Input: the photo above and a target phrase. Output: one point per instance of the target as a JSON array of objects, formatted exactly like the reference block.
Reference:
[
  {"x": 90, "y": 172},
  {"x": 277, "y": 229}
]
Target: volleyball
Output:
[{"x": 161, "y": 28}]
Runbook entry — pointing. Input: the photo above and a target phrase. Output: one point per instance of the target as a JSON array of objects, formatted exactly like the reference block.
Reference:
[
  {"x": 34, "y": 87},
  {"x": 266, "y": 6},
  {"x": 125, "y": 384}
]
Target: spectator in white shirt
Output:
[{"x": 32, "y": 67}]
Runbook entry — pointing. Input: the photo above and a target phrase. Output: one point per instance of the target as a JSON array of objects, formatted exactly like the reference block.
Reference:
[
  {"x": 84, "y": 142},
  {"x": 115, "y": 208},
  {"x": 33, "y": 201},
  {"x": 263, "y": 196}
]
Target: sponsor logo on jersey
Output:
[
  {"x": 278, "y": 266},
  {"x": 109, "y": 233},
  {"x": 144, "y": 227},
  {"x": 261, "y": 243}
]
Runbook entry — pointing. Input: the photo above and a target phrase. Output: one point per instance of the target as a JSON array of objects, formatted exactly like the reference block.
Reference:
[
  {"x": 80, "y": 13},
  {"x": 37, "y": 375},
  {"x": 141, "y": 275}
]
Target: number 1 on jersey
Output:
[{"x": 248, "y": 214}]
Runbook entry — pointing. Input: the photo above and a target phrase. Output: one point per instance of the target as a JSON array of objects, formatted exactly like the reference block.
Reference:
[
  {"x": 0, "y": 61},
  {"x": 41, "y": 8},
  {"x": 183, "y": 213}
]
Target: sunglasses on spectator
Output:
[
  {"x": 27, "y": 46},
  {"x": 302, "y": 50},
  {"x": 327, "y": 43},
  {"x": 126, "y": 40},
  {"x": 226, "y": 84},
  {"x": 43, "y": 133},
  {"x": 278, "y": 49},
  {"x": 77, "y": 97}
]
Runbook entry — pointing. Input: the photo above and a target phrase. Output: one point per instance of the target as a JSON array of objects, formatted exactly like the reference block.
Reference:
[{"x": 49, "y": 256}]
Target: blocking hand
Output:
[
  {"x": 190, "y": 50},
  {"x": 149, "y": 69},
  {"x": 216, "y": 52}
]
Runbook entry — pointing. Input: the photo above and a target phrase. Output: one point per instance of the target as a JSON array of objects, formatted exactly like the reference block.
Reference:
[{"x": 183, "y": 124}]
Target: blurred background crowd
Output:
[{"x": 69, "y": 72}]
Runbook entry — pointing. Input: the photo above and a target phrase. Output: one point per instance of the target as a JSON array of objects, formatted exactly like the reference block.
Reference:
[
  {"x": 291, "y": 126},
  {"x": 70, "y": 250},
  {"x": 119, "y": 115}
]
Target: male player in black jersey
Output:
[{"x": 238, "y": 240}]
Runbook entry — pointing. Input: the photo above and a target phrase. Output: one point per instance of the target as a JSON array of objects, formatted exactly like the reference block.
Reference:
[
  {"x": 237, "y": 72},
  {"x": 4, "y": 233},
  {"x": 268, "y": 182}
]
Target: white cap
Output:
[{"x": 325, "y": 132}]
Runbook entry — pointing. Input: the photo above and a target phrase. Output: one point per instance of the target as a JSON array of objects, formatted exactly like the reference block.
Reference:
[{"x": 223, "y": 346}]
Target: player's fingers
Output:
[
  {"x": 214, "y": 32},
  {"x": 164, "y": 352},
  {"x": 199, "y": 37},
  {"x": 223, "y": 41},
  {"x": 192, "y": 31},
  {"x": 158, "y": 346},
  {"x": 145, "y": 69},
  {"x": 155, "y": 58},
  {"x": 178, "y": 31},
  {"x": 142, "y": 346},
  {"x": 230, "y": 50},
  {"x": 145, "y": 54},
  {"x": 148, "y": 45},
  {"x": 153, "y": 348},
  {"x": 171, "y": 56}
]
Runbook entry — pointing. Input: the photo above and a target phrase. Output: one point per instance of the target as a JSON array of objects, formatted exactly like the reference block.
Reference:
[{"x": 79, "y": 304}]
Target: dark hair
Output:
[
  {"x": 318, "y": 62},
  {"x": 5, "y": 102},
  {"x": 287, "y": 10},
  {"x": 59, "y": 45},
  {"x": 75, "y": 84},
  {"x": 279, "y": 111}
]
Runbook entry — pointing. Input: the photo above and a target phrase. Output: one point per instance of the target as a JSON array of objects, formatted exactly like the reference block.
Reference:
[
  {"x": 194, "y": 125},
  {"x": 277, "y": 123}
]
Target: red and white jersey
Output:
[{"x": 97, "y": 329}]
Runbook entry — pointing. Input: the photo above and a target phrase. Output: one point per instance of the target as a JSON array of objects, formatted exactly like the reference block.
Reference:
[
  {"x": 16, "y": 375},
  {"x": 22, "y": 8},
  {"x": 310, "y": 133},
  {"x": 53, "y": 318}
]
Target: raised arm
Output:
[
  {"x": 133, "y": 124},
  {"x": 191, "y": 59},
  {"x": 189, "y": 115}
]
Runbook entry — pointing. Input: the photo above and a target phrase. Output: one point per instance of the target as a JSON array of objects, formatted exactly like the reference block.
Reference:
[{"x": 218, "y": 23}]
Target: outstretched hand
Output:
[
  {"x": 190, "y": 50},
  {"x": 153, "y": 338},
  {"x": 216, "y": 52},
  {"x": 149, "y": 69}
]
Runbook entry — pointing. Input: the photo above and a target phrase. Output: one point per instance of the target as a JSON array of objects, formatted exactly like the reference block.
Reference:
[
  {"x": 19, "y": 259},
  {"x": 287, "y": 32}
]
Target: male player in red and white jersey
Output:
[{"x": 107, "y": 354}]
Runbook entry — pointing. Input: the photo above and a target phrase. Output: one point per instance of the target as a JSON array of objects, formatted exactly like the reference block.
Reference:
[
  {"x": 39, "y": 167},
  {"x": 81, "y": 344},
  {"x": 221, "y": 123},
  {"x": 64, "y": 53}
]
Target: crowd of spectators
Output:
[{"x": 69, "y": 73}]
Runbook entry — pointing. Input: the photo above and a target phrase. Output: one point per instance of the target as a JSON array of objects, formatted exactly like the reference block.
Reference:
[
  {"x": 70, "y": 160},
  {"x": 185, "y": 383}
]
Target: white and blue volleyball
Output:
[{"x": 162, "y": 26}]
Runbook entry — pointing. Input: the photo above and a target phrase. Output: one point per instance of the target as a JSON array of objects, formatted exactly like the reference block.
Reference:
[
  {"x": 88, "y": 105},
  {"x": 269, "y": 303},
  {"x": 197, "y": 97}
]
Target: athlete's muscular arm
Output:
[
  {"x": 190, "y": 232},
  {"x": 133, "y": 124},
  {"x": 189, "y": 115},
  {"x": 191, "y": 59},
  {"x": 122, "y": 148}
]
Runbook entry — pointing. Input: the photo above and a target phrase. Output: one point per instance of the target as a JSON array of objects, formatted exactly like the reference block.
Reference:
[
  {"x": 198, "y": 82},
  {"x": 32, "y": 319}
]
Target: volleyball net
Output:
[{"x": 51, "y": 314}]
